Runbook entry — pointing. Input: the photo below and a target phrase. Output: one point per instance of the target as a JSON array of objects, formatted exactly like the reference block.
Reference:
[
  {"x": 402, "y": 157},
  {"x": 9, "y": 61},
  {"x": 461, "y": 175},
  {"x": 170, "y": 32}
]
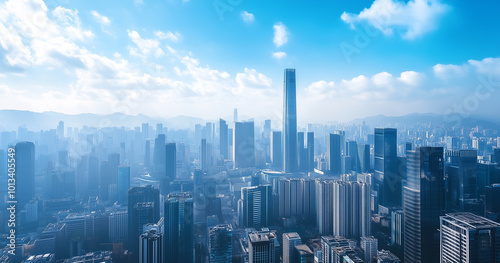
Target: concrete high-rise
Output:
[
  {"x": 25, "y": 172},
  {"x": 423, "y": 204},
  {"x": 262, "y": 247},
  {"x": 290, "y": 154},
  {"x": 466, "y": 237},
  {"x": 324, "y": 206},
  {"x": 386, "y": 182},
  {"x": 351, "y": 209},
  {"x": 370, "y": 248},
  {"x": 243, "y": 145},
  {"x": 290, "y": 240}
]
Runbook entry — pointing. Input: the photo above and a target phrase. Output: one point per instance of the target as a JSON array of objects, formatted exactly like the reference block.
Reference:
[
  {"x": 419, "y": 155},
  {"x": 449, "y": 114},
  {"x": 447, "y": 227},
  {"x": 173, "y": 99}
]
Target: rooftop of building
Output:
[
  {"x": 386, "y": 255},
  {"x": 303, "y": 249},
  {"x": 292, "y": 235},
  {"x": 469, "y": 220},
  {"x": 262, "y": 236}
]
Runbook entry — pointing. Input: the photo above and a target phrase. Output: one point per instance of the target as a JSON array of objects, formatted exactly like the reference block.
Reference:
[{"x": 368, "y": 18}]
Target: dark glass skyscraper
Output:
[
  {"x": 386, "y": 181},
  {"x": 179, "y": 243},
  {"x": 276, "y": 154},
  {"x": 244, "y": 145},
  {"x": 141, "y": 195},
  {"x": 123, "y": 183},
  {"x": 310, "y": 151},
  {"x": 290, "y": 154},
  {"x": 159, "y": 156},
  {"x": 25, "y": 171},
  {"x": 223, "y": 139},
  {"x": 461, "y": 181},
  {"x": 220, "y": 244},
  {"x": 256, "y": 206},
  {"x": 333, "y": 152},
  {"x": 423, "y": 204},
  {"x": 171, "y": 161}
]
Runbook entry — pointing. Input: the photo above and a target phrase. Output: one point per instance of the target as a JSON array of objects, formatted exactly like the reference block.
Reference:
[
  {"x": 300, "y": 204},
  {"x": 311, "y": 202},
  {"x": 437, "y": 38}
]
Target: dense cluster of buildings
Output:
[{"x": 244, "y": 192}]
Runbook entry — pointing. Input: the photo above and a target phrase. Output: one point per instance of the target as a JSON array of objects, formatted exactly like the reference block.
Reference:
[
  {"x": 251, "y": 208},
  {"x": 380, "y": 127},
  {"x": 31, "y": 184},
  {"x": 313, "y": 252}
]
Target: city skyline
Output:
[
  {"x": 82, "y": 58},
  {"x": 148, "y": 131}
]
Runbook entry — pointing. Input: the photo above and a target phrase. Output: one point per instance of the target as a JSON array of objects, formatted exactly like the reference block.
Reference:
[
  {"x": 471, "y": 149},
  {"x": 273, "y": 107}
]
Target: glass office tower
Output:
[
  {"x": 423, "y": 204},
  {"x": 289, "y": 122},
  {"x": 387, "y": 183}
]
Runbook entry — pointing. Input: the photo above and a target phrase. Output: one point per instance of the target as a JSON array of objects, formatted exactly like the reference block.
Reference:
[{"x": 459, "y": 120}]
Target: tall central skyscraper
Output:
[
  {"x": 289, "y": 122},
  {"x": 423, "y": 204}
]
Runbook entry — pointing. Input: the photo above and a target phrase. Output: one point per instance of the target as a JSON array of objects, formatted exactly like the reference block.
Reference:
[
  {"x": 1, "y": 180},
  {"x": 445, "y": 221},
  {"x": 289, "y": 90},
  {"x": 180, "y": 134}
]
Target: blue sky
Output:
[{"x": 204, "y": 58}]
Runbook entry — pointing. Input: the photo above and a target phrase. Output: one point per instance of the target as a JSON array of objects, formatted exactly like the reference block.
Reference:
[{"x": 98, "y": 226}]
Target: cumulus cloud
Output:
[
  {"x": 252, "y": 79},
  {"x": 487, "y": 66},
  {"x": 174, "y": 37},
  {"x": 247, "y": 17},
  {"x": 280, "y": 34},
  {"x": 144, "y": 46},
  {"x": 279, "y": 55},
  {"x": 103, "y": 20},
  {"x": 412, "y": 19}
]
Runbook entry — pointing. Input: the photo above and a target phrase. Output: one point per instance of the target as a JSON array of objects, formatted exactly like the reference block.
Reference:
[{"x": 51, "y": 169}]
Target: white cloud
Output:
[
  {"x": 321, "y": 88},
  {"x": 447, "y": 71},
  {"x": 103, "y": 20},
  {"x": 174, "y": 37},
  {"x": 487, "y": 66},
  {"x": 280, "y": 34},
  {"x": 279, "y": 55},
  {"x": 412, "y": 78},
  {"x": 413, "y": 18},
  {"x": 144, "y": 46},
  {"x": 252, "y": 79},
  {"x": 40, "y": 42},
  {"x": 247, "y": 17}
]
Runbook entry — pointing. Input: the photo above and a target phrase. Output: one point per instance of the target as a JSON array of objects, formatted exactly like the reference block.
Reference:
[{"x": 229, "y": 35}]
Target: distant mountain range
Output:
[
  {"x": 11, "y": 119},
  {"x": 429, "y": 118}
]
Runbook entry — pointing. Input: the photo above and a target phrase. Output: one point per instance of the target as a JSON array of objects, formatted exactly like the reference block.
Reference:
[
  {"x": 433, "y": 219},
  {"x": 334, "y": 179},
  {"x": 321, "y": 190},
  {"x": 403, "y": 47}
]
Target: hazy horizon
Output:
[{"x": 353, "y": 59}]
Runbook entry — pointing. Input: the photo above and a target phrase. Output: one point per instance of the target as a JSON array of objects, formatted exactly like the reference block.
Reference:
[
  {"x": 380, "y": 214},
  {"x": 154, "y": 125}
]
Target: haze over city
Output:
[{"x": 237, "y": 131}]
